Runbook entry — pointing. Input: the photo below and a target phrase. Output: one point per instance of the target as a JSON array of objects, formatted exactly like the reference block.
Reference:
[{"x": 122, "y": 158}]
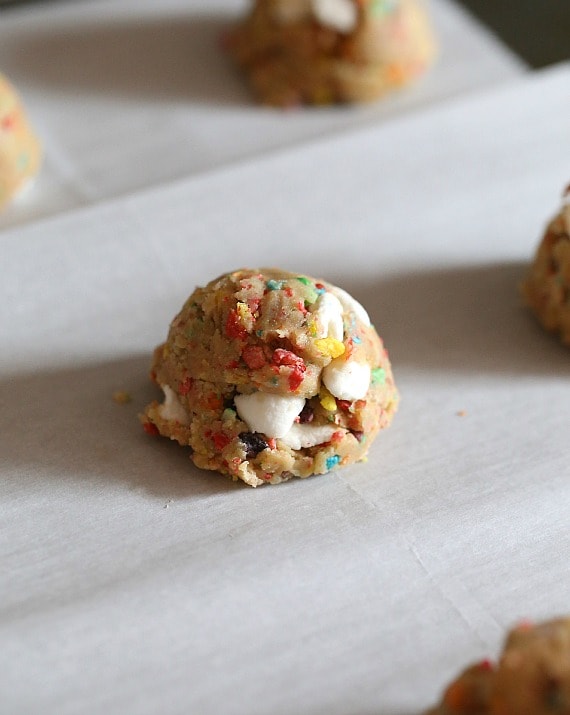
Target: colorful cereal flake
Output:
[
  {"x": 332, "y": 462},
  {"x": 378, "y": 376},
  {"x": 330, "y": 346}
]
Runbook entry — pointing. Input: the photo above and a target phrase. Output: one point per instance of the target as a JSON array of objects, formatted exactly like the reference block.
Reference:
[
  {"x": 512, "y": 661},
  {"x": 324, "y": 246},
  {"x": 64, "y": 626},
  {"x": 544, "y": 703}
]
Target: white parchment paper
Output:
[{"x": 133, "y": 582}]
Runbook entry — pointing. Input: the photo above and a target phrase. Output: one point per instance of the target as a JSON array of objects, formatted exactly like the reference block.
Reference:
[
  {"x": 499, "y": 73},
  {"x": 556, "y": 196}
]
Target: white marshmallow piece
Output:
[
  {"x": 347, "y": 379},
  {"x": 328, "y": 310},
  {"x": 308, "y": 435},
  {"x": 273, "y": 415},
  {"x": 351, "y": 305},
  {"x": 171, "y": 409},
  {"x": 341, "y": 15}
]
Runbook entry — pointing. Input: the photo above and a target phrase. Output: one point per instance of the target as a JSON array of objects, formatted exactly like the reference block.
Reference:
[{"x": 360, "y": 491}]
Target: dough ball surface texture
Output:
[
  {"x": 327, "y": 51},
  {"x": 268, "y": 375}
]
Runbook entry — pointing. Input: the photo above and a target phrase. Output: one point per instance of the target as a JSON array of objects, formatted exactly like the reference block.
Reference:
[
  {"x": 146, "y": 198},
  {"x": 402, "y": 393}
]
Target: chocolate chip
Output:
[
  {"x": 253, "y": 443},
  {"x": 307, "y": 414}
]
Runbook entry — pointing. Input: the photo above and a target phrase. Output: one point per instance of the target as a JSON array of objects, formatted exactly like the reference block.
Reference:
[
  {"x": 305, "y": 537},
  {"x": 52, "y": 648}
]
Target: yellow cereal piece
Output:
[
  {"x": 245, "y": 316},
  {"x": 312, "y": 327},
  {"x": 243, "y": 311},
  {"x": 330, "y": 346},
  {"x": 328, "y": 401},
  {"x": 122, "y": 397}
]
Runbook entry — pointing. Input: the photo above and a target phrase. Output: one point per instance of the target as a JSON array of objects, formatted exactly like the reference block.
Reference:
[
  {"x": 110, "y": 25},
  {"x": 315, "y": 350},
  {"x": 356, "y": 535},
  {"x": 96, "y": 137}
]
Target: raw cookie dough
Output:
[
  {"x": 268, "y": 375},
  {"x": 19, "y": 149},
  {"x": 547, "y": 287},
  {"x": 532, "y": 676},
  {"x": 326, "y": 51}
]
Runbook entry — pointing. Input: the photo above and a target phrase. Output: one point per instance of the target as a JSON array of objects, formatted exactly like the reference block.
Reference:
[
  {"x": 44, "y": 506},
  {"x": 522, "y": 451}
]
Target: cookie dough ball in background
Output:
[
  {"x": 547, "y": 286},
  {"x": 19, "y": 148},
  {"x": 268, "y": 375},
  {"x": 326, "y": 51},
  {"x": 532, "y": 676}
]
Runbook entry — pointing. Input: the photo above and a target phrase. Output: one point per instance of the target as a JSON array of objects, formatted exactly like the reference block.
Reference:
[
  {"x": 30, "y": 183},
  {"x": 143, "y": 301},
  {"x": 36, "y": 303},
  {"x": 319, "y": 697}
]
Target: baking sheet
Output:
[
  {"x": 133, "y": 582},
  {"x": 128, "y": 94}
]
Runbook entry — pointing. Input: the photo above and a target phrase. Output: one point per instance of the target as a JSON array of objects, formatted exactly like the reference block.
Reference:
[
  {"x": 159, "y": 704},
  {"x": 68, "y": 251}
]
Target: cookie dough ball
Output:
[
  {"x": 469, "y": 693},
  {"x": 547, "y": 287},
  {"x": 326, "y": 51},
  {"x": 532, "y": 676},
  {"x": 19, "y": 148},
  {"x": 268, "y": 375}
]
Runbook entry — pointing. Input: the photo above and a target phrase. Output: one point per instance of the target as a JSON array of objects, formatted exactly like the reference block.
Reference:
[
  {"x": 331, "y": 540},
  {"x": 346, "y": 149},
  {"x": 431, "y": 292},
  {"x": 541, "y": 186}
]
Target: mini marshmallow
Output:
[
  {"x": 301, "y": 436},
  {"x": 273, "y": 415},
  {"x": 351, "y": 305},
  {"x": 347, "y": 379},
  {"x": 171, "y": 409},
  {"x": 328, "y": 312},
  {"x": 341, "y": 15}
]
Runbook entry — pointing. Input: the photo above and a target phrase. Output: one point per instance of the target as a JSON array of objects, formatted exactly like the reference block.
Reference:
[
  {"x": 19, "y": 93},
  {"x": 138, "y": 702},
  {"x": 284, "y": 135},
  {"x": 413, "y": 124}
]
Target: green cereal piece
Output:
[
  {"x": 383, "y": 7},
  {"x": 311, "y": 297},
  {"x": 378, "y": 376}
]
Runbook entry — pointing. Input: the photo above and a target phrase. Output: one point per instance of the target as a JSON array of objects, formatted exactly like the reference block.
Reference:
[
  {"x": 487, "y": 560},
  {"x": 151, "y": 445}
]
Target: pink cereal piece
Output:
[
  {"x": 234, "y": 327},
  {"x": 296, "y": 378},
  {"x": 254, "y": 357},
  {"x": 286, "y": 357},
  {"x": 185, "y": 386},
  {"x": 151, "y": 429},
  {"x": 486, "y": 665},
  {"x": 337, "y": 437}
]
